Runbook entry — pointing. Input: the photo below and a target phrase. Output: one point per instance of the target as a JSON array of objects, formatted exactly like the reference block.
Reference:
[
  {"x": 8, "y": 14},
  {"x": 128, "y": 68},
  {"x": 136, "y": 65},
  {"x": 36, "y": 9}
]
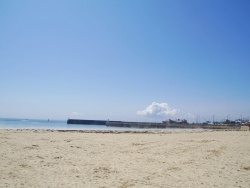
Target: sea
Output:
[
  {"x": 14, "y": 123},
  {"x": 18, "y": 123}
]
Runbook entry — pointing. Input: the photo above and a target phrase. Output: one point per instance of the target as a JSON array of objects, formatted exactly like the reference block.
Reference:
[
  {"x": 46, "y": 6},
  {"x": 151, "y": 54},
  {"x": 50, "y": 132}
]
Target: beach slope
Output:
[{"x": 40, "y": 158}]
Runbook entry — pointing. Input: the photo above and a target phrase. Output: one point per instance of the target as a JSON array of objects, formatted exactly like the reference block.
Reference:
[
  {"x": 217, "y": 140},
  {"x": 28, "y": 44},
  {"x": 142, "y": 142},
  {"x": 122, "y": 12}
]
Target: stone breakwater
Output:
[{"x": 149, "y": 125}]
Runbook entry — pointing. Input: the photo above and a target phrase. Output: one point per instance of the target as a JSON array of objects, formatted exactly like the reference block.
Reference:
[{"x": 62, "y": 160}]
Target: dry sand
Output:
[{"x": 39, "y": 158}]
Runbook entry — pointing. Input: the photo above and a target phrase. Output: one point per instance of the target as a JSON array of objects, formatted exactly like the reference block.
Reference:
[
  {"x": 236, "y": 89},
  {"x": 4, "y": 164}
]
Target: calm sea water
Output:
[{"x": 7, "y": 123}]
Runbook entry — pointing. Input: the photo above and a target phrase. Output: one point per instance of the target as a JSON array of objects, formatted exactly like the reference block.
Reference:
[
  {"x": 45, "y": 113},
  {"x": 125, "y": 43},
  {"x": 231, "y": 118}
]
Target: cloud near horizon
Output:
[
  {"x": 75, "y": 113},
  {"x": 158, "y": 109}
]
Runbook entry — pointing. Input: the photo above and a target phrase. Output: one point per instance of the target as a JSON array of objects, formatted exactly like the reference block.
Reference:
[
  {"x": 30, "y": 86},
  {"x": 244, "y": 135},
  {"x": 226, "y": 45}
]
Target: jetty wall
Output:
[
  {"x": 149, "y": 124},
  {"x": 134, "y": 124},
  {"x": 86, "y": 122}
]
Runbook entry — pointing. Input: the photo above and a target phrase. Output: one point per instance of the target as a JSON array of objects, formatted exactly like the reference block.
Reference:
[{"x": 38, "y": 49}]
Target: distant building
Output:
[
  {"x": 208, "y": 123},
  {"x": 247, "y": 123},
  {"x": 238, "y": 121}
]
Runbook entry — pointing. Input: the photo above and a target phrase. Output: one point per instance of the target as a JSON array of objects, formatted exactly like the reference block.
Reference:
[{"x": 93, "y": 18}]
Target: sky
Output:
[{"x": 133, "y": 60}]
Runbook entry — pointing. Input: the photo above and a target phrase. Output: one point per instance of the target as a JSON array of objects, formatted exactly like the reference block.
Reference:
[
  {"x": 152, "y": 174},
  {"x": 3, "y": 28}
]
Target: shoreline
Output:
[{"x": 121, "y": 131}]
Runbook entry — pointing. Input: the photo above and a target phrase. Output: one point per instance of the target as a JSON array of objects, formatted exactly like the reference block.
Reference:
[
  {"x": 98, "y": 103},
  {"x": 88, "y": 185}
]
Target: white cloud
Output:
[
  {"x": 158, "y": 109},
  {"x": 75, "y": 113}
]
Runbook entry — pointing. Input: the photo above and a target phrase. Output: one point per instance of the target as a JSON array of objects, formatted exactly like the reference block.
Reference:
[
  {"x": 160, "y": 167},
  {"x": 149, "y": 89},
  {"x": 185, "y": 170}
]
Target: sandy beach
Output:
[{"x": 43, "y": 158}]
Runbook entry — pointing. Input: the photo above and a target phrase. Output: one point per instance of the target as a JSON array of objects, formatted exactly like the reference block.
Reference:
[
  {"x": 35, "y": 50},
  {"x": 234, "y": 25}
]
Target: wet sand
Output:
[{"x": 40, "y": 158}]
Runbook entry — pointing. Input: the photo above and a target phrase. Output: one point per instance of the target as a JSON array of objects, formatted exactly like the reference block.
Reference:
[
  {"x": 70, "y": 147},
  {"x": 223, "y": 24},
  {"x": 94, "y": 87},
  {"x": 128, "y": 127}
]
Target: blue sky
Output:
[{"x": 125, "y": 60}]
